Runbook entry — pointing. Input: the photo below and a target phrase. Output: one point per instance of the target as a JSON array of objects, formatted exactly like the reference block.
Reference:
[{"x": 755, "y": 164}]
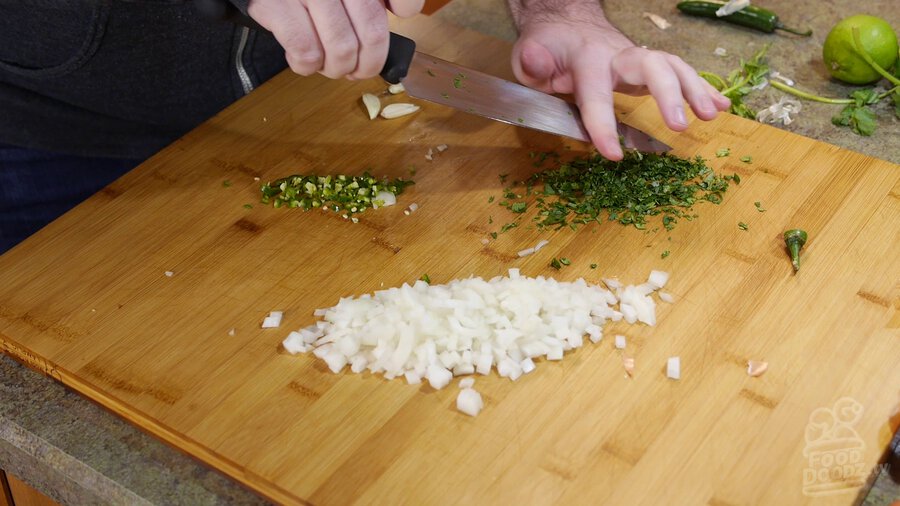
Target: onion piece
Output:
[
  {"x": 467, "y": 382},
  {"x": 620, "y": 342},
  {"x": 441, "y": 148},
  {"x": 720, "y": 51},
  {"x": 756, "y": 368},
  {"x": 169, "y": 274},
  {"x": 541, "y": 244},
  {"x": 525, "y": 252},
  {"x": 273, "y": 320},
  {"x": 673, "y": 368},
  {"x": 658, "y": 278},
  {"x": 411, "y": 209},
  {"x": 666, "y": 297},
  {"x": 469, "y": 402}
]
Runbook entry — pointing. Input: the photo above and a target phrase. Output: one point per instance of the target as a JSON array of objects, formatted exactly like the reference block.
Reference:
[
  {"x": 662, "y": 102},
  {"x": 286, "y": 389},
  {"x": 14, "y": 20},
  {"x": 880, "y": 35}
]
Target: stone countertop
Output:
[
  {"x": 78, "y": 453},
  {"x": 695, "y": 39}
]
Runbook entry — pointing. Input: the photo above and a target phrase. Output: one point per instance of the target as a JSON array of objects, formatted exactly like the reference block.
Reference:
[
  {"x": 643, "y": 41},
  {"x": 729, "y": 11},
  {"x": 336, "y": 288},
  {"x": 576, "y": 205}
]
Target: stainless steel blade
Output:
[{"x": 475, "y": 92}]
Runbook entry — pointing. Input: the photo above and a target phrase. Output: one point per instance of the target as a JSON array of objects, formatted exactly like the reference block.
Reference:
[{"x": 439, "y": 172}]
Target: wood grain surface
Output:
[{"x": 87, "y": 302}]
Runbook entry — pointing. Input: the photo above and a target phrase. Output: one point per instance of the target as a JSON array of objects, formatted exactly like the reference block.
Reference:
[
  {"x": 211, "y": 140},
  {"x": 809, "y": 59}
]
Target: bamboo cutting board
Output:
[{"x": 86, "y": 301}]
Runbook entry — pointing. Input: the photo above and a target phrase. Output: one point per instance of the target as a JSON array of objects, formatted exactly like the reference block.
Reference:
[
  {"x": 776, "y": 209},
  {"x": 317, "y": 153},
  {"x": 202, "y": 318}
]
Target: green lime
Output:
[{"x": 878, "y": 40}]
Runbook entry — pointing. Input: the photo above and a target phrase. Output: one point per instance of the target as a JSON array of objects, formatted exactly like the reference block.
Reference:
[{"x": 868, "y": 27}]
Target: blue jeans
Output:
[{"x": 38, "y": 186}]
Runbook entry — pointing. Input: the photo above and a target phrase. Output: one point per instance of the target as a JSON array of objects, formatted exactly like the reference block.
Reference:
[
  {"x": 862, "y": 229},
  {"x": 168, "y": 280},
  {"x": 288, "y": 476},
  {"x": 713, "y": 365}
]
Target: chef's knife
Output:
[{"x": 474, "y": 92}]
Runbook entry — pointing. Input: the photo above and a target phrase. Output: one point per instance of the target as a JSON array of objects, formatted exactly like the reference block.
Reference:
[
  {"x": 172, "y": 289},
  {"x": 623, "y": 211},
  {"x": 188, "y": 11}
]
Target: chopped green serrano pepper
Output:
[{"x": 347, "y": 194}]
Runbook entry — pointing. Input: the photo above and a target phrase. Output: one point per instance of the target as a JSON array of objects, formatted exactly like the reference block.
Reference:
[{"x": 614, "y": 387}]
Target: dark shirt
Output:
[{"x": 115, "y": 78}]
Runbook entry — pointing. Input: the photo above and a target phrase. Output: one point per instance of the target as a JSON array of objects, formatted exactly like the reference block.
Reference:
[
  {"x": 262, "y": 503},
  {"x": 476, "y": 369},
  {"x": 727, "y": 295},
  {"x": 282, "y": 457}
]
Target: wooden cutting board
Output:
[{"x": 87, "y": 302}]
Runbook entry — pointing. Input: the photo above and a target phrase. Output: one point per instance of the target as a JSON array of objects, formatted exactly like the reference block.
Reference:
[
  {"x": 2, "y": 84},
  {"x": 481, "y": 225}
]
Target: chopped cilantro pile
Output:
[{"x": 589, "y": 189}]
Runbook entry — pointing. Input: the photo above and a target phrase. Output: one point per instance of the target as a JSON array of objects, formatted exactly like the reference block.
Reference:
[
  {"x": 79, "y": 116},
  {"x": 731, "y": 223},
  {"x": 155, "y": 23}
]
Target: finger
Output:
[
  {"x": 722, "y": 102},
  {"x": 693, "y": 89},
  {"x": 663, "y": 83},
  {"x": 369, "y": 21},
  {"x": 337, "y": 36},
  {"x": 593, "y": 93},
  {"x": 533, "y": 65},
  {"x": 406, "y": 8},
  {"x": 292, "y": 27}
]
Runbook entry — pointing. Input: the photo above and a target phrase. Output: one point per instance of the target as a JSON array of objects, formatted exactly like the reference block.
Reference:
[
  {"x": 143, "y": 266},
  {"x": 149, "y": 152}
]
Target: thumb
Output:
[{"x": 533, "y": 65}]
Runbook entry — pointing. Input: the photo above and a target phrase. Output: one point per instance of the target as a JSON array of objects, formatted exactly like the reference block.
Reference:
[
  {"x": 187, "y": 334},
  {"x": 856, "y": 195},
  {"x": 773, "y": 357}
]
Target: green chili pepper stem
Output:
[
  {"x": 808, "y": 96},
  {"x": 795, "y": 239},
  {"x": 860, "y": 50},
  {"x": 779, "y": 26}
]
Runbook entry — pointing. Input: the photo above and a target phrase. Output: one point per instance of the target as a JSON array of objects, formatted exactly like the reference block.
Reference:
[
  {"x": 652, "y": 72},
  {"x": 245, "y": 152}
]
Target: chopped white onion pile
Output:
[
  {"x": 435, "y": 332},
  {"x": 657, "y": 20},
  {"x": 273, "y": 320},
  {"x": 673, "y": 368},
  {"x": 756, "y": 368},
  {"x": 620, "y": 342},
  {"x": 731, "y": 7},
  {"x": 469, "y": 402}
]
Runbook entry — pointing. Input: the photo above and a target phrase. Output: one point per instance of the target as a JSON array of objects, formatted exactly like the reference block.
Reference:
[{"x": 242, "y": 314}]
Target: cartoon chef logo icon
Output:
[{"x": 834, "y": 450}]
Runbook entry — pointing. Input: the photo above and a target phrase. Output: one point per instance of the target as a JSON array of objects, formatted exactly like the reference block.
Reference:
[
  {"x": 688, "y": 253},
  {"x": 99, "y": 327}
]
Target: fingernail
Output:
[
  {"x": 706, "y": 105},
  {"x": 680, "y": 118}
]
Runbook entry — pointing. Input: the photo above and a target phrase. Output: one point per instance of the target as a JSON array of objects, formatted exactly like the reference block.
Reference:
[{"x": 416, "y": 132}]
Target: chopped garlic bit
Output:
[
  {"x": 657, "y": 20},
  {"x": 372, "y": 103},
  {"x": 273, "y": 320},
  {"x": 231, "y": 332},
  {"x": 673, "y": 368},
  {"x": 628, "y": 363},
  {"x": 781, "y": 77},
  {"x": 485, "y": 241},
  {"x": 169, "y": 274},
  {"x": 392, "y": 111},
  {"x": 720, "y": 51},
  {"x": 780, "y": 111},
  {"x": 396, "y": 89},
  {"x": 469, "y": 402},
  {"x": 732, "y": 6},
  {"x": 756, "y": 368},
  {"x": 441, "y": 148}
]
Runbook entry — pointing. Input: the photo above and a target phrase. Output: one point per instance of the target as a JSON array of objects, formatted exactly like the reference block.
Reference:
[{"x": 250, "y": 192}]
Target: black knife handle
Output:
[{"x": 400, "y": 50}]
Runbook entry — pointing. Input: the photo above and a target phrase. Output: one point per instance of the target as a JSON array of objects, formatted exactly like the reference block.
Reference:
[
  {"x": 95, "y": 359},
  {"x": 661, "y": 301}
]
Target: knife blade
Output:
[
  {"x": 429, "y": 78},
  {"x": 442, "y": 82}
]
